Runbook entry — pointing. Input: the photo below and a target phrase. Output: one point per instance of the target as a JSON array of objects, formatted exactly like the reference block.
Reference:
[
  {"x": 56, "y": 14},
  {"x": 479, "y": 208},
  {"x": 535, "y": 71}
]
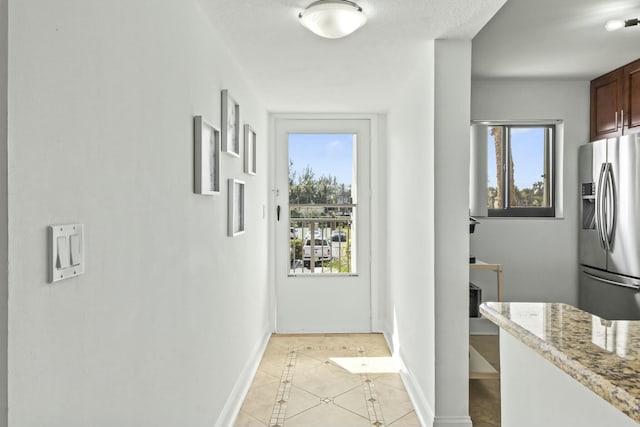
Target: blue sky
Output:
[
  {"x": 527, "y": 145},
  {"x": 327, "y": 154}
]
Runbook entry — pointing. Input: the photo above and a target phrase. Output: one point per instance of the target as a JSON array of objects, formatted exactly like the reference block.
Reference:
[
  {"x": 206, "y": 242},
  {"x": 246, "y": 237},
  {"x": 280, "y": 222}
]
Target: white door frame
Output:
[{"x": 377, "y": 177}]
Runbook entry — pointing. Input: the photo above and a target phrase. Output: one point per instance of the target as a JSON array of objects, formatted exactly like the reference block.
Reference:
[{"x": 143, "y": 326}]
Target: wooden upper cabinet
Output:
[
  {"x": 615, "y": 103},
  {"x": 606, "y": 105},
  {"x": 631, "y": 99}
]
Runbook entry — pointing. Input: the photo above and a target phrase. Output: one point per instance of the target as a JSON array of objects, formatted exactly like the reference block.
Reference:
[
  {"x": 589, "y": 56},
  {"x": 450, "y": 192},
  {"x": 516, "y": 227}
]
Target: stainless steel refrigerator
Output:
[{"x": 609, "y": 246}]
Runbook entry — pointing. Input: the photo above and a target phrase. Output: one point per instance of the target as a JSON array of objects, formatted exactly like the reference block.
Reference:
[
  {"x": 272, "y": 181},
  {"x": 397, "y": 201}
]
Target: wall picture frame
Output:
[
  {"x": 250, "y": 156},
  {"x": 236, "y": 207},
  {"x": 230, "y": 124},
  {"x": 206, "y": 158}
]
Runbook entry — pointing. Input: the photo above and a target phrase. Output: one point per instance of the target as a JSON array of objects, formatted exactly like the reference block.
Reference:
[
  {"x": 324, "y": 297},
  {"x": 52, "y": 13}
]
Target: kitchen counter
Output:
[{"x": 600, "y": 354}]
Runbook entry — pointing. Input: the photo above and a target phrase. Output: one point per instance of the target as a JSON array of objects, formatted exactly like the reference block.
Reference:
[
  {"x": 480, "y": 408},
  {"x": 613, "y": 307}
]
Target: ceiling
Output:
[
  {"x": 559, "y": 39},
  {"x": 293, "y": 70}
]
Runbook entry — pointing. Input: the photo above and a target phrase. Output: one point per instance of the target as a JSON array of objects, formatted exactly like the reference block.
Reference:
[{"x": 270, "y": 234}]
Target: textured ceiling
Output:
[
  {"x": 292, "y": 69},
  {"x": 556, "y": 39}
]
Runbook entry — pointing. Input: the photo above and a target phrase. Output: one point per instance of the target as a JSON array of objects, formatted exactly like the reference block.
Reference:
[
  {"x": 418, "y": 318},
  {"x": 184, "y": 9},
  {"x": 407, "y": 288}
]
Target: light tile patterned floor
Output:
[{"x": 326, "y": 380}]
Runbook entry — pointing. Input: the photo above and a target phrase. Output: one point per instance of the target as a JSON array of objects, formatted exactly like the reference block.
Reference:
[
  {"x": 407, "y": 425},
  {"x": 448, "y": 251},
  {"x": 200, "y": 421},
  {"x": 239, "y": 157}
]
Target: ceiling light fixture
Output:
[
  {"x": 616, "y": 24},
  {"x": 332, "y": 19}
]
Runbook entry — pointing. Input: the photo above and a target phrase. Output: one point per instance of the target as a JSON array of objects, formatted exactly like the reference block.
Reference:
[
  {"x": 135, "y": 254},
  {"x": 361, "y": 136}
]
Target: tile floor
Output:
[
  {"x": 341, "y": 380},
  {"x": 484, "y": 395}
]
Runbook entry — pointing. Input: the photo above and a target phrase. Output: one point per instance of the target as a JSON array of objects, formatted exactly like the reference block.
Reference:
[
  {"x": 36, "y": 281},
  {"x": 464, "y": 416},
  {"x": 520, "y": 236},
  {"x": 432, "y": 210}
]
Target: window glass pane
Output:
[
  {"x": 322, "y": 203},
  {"x": 529, "y": 175},
  {"x": 494, "y": 167}
]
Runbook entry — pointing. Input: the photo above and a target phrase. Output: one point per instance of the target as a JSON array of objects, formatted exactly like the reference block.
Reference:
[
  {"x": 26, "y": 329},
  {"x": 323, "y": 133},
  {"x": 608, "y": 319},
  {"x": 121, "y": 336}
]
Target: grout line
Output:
[
  {"x": 370, "y": 395},
  {"x": 253, "y": 418},
  {"x": 284, "y": 390},
  {"x": 401, "y": 417}
]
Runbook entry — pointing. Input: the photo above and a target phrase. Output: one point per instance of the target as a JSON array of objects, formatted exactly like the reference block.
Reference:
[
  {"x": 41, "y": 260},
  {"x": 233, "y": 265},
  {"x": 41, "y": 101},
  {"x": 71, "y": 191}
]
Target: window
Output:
[
  {"x": 520, "y": 170},
  {"x": 322, "y": 203}
]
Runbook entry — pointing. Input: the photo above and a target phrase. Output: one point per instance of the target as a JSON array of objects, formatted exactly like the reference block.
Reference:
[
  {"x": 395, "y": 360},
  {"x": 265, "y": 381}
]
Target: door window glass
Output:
[{"x": 322, "y": 203}]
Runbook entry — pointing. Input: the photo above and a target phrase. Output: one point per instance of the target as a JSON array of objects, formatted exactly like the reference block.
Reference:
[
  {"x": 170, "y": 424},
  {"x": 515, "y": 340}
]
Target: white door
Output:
[{"x": 322, "y": 230}]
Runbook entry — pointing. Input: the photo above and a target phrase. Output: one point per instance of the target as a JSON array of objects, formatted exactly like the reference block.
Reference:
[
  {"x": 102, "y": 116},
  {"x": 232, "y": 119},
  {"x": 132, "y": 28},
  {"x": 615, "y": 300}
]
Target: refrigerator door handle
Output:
[
  {"x": 599, "y": 206},
  {"x": 606, "y": 215},
  {"x": 610, "y": 282},
  {"x": 610, "y": 206}
]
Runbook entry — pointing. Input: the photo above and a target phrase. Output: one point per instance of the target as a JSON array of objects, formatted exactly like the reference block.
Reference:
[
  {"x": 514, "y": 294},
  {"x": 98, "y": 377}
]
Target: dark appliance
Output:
[
  {"x": 475, "y": 299},
  {"x": 472, "y": 227}
]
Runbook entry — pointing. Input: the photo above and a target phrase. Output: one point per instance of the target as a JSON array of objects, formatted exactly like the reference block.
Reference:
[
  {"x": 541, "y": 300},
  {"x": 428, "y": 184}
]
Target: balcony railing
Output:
[{"x": 321, "y": 239}]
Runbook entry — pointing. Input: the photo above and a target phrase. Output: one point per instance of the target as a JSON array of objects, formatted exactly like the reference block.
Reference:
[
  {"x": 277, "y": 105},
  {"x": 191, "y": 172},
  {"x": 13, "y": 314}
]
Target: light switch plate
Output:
[{"x": 66, "y": 251}]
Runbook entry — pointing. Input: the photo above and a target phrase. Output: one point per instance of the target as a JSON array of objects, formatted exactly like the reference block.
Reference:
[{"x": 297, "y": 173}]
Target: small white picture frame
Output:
[
  {"x": 230, "y": 124},
  {"x": 250, "y": 158},
  {"x": 236, "y": 207},
  {"x": 206, "y": 158}
]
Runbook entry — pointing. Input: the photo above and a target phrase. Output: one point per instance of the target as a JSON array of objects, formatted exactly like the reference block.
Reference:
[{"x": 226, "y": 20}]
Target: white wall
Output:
[
  {"x": 452, "y": 100},
  {"x": 3, "y": 212},
  {"x": 167, "y": 315},
  {"x": 410, "y": 312},
  {"x": 539, "y": 256},
  {"x": 427, "y": 231}
]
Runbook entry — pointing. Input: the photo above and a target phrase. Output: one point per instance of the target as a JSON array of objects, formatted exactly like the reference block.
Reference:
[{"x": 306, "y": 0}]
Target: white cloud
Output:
[{"x": 334, "y": 147}]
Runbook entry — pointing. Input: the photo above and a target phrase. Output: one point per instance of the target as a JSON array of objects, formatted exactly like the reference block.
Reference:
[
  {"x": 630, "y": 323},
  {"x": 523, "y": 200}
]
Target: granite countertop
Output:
[{"x": 604, "y": 355}]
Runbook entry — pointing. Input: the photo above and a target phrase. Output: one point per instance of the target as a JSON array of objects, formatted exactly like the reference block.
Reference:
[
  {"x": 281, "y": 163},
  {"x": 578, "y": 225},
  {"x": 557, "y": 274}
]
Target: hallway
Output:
[{"x": 345, "y": 380}]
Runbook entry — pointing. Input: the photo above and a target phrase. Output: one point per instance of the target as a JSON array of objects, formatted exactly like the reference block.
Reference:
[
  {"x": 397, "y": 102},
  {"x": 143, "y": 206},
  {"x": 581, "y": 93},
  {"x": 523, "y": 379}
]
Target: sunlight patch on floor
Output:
[{"x": 368, "y": 365}]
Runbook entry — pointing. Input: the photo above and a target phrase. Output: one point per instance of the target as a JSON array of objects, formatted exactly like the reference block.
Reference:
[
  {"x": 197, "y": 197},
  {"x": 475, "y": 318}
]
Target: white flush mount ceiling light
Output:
[
  {"x": 332, "y": 19},
  {"x": 616, "y": 24}
]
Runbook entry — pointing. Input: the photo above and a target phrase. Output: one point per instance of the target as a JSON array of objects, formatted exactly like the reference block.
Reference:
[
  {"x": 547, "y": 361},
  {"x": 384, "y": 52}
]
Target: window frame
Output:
[{"x": 509, "y": 211}]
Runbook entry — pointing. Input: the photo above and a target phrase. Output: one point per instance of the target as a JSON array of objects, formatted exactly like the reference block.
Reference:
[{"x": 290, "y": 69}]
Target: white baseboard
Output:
[
  {"x": 241, "y": 388},
  {"x": 452, "y": 422},
  {"x": 387, "y": 333},
  {"x": 424, "y": 412}
]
